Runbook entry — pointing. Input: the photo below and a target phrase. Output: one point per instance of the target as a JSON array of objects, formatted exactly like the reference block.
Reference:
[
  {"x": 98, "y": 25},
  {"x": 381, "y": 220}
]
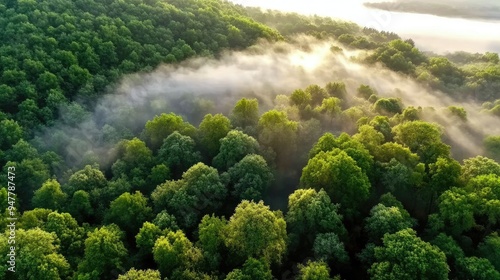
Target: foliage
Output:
[
  {"x": 127, "y": 197},
  {"x": 404, "y": 255},
  {"x": 233, "y": 148},
  {"x": 129, "y": 211},
  {"x": 340, "y": 176},
  {"x": 256, "y": 231},
  {"x": 104, "y": 253},
  {"x": 173, "y": 251},
  {"x": 134, "y": 274}
]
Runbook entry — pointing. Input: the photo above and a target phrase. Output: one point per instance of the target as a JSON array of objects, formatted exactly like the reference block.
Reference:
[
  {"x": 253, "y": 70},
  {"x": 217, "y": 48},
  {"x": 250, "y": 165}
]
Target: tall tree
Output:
[
  {"x": 311, "y": 212},
  {"x": 233, "y": 148},
  {"x": 250, "y": 177},
  {"x": 256, "y": 231},
  {"x": 199, "y": 192},
  {"x": 422, "y": 138},
  {"x": 245, "y": 113},
  {"x": 174, "y": 251},
  {"x": 211, "y": 240},
  {"x": 129, "y": 212},
  {"x": 179, "y": 153},
  {"x": 339, "y": 175},
  {"x": 211, "y": 130},
  {"x": 384, "y": 219},
  {"x": 40, "y": 259},
  {"x": 104, "y": 254},
  {"x": 134, "y": 274},
  {"x": 162, "y": 126},
  {"x": 406, "y": 256},
  {"x": 276, "y": 131},
  {"x": 314, "y": 271},
  {"x": 49, "y": 196}
]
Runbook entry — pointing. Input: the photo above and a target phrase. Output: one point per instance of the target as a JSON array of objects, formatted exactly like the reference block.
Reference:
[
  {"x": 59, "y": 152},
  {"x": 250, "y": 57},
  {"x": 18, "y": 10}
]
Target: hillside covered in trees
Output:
[{"x": 127, "y": 151}]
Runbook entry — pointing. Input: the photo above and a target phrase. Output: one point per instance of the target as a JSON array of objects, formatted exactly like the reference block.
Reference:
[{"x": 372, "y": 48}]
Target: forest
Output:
[{"x": 199, "y": 139}]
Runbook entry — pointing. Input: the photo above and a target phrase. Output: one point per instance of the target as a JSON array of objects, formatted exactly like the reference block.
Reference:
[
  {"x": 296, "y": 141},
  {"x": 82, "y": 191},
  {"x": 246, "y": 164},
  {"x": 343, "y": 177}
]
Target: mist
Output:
[
  {"x": 430, "y": 32},
  {"x": 201, "y": 85}
]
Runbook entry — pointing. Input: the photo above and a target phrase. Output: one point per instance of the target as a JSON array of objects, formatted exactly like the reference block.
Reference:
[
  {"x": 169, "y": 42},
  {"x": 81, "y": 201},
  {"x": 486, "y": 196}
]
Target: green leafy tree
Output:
[
  {"x": 30, "y": 174},
  {"x": 406, "y": 256},
  {"x": 401, "y": 179},
  {"x": 355, "y": 149},
  {"x": 252, "y": 269},
  {"x": 477, "y": 268},
  {"x": 211, "y": 240},
  {"x": 200, "y": 191},
  {"x": 233, "y": 148},
  {"x": 11, "y": 133},
  {"x": 70, "y": 234},
  {"x": 365, "y": 91},
  {"x": 328, "y": 247},
  {"x": 336, "y": 89},
  {"x": 179, "y": 153},
  {"x": 492, "y": 147},
  {"x": 388, "y": 106},
  {"x": 382, "y": 125},
  {"x": 211, "y": 130},
  {"x": 165, "y": 220},
  {"x": 314, "y": 271},
  {"x": 423, "y": 139},
  {"x": 444, "y": 173},
  {"x": 384, "y": 219},
  {"x": 134, "y": 274},
  {"x": 490, "y": 249},
  {"x": 40, "y": 259},
  {"x": 174, "y": 251},
  {"x": 250, "y": 177},
  {"x": 369, "y": 137},
  {"x": 453, "y": 252},
  {"x": 79, "y": 206},
  {"x": 245, "y": 113},
  {"x": 147, "y": 236},
  {"x": 162, "y": 126},
  {"x": 330, "y": 108},
  {"x": 317, "y": 94},
  {"x": 49, "y": 196},
  {"x": 104, "y": 254},
  {"x": 21, "y": 150},
  {"x": 134, "y": 163},
  {"x": 276, "y": 131},
  {"x": 340, "y": 176},
  {"x": 87, "y": 179},
  {"x": 479, "y": 165},
  {"x": 129, "y": 212},
  {"x": 456, "y": 210},
  {"x": 256, "y": 231},
  {"x": 34, "y": 218},
  {"x": 311, "y": 212},
  {"x": 300, "y": 98}
]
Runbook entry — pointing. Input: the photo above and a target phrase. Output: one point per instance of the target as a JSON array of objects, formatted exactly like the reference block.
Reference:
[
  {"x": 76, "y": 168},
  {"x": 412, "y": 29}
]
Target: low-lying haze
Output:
[{"x": 201, "y": 86}]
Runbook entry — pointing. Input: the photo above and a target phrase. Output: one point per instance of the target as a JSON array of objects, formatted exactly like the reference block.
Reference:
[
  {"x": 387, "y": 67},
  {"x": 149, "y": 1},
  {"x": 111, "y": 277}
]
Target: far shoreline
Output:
[{"x": 440, "y": 10}]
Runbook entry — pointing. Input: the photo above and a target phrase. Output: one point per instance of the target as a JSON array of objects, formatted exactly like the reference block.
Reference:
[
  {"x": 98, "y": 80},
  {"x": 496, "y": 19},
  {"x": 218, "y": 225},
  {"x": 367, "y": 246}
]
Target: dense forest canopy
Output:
[{"x": 206, "y": 140}]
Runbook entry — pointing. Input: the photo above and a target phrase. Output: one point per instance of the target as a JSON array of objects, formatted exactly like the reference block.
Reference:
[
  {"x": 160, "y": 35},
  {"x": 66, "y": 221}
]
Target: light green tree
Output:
[
  {"x": 256, "y": 231},
  {"x": 406, "y": 256}
]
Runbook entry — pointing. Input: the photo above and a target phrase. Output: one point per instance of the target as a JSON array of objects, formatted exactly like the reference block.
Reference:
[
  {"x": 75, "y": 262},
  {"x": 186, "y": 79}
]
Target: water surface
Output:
[{"x": 433, "y": 33}]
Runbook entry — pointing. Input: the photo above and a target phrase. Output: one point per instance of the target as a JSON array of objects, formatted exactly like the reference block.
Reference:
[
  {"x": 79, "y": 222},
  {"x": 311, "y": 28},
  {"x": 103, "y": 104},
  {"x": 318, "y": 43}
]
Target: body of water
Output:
[{"x": 431, "y": 33}]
